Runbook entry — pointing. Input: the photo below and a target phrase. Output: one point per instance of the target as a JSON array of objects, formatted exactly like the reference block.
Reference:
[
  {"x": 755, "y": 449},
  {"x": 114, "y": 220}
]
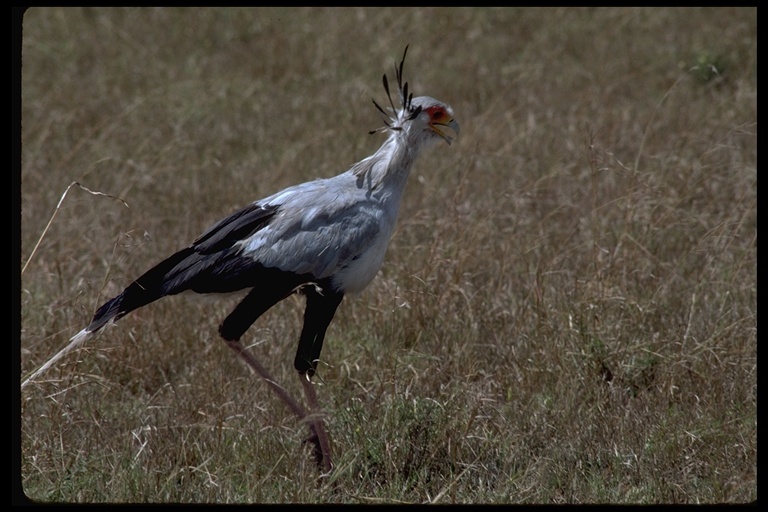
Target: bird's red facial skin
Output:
[
  {"x": 439, "y": 119},
  {"x": 437, "y": 115}
]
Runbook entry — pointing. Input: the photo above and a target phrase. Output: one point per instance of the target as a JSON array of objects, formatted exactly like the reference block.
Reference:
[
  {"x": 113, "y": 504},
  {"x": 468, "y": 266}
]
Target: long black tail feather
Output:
[
  {"x": 151, "y": 286},
  {"x": 220, "y": 272}
]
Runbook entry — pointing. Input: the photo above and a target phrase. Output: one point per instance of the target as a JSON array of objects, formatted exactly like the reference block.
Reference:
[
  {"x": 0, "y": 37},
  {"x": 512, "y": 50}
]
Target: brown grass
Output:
[{"x": 567, "y": 312}]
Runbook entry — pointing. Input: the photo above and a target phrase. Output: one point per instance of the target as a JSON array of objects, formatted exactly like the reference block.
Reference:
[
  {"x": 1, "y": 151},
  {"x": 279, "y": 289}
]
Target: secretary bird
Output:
[{"x": 324, "y": 239}]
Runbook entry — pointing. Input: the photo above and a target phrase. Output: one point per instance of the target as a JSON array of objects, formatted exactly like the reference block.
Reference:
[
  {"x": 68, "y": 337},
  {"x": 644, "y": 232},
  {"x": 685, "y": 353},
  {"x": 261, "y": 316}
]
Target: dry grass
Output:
[{"x": 567, "y": 313}]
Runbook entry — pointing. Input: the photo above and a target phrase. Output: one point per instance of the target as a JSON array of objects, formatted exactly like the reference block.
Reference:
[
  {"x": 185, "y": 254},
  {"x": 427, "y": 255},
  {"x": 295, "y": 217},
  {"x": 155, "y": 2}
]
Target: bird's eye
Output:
[{"x": 436, "y": 113}]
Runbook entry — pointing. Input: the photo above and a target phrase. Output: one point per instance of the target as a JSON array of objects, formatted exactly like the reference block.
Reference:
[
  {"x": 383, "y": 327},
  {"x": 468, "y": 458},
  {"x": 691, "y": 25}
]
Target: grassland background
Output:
[{"x": 567, "y": 311}]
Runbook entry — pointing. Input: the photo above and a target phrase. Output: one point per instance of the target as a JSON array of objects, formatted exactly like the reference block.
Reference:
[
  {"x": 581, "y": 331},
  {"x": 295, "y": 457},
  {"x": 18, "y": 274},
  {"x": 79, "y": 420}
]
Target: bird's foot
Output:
[{"x": 317, "y": 450}]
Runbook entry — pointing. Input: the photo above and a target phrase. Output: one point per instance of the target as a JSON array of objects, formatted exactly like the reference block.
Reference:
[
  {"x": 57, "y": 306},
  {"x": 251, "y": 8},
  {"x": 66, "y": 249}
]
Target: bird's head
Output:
[
  {"x": 423, "y": 117},
  {"x": 434, "y": 119}
]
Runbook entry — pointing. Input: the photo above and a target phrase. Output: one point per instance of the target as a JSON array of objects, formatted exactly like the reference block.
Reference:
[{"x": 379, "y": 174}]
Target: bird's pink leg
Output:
[
  {"x": 316, "y": 424},
  {"x": 262, "y": 372},
  {"x": 319, "y": 437}
]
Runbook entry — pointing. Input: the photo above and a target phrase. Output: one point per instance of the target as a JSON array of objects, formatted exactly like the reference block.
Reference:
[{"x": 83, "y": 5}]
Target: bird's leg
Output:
[
  {"x": 323, "y": 455},
  {"x": 321, "y": 306},
  {"x": 322, "y": 302},
  {"x": 240, "y": 319},
  {"x": 238, "y": 347},
  {"x": 235, "y": 325},
  {"x": 318, "y": 437}
]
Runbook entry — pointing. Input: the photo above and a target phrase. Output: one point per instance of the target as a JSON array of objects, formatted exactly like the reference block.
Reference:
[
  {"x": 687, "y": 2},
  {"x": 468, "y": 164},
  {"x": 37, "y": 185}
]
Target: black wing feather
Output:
[{"x": 237, "y": 226}]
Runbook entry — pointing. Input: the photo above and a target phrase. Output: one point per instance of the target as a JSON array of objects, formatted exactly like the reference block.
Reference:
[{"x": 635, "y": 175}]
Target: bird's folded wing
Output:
[{"x": 317, "y": 231}]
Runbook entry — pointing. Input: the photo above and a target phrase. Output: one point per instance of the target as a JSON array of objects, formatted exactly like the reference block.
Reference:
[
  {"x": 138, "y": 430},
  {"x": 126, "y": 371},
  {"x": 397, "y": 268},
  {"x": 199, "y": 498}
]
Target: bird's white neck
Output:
[{"x": 386, "y": 172}]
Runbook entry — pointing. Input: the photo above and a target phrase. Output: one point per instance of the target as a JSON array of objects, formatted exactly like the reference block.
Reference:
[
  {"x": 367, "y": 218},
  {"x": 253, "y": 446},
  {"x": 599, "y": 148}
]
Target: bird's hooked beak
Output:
[{"x": 439, "y": 127}]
